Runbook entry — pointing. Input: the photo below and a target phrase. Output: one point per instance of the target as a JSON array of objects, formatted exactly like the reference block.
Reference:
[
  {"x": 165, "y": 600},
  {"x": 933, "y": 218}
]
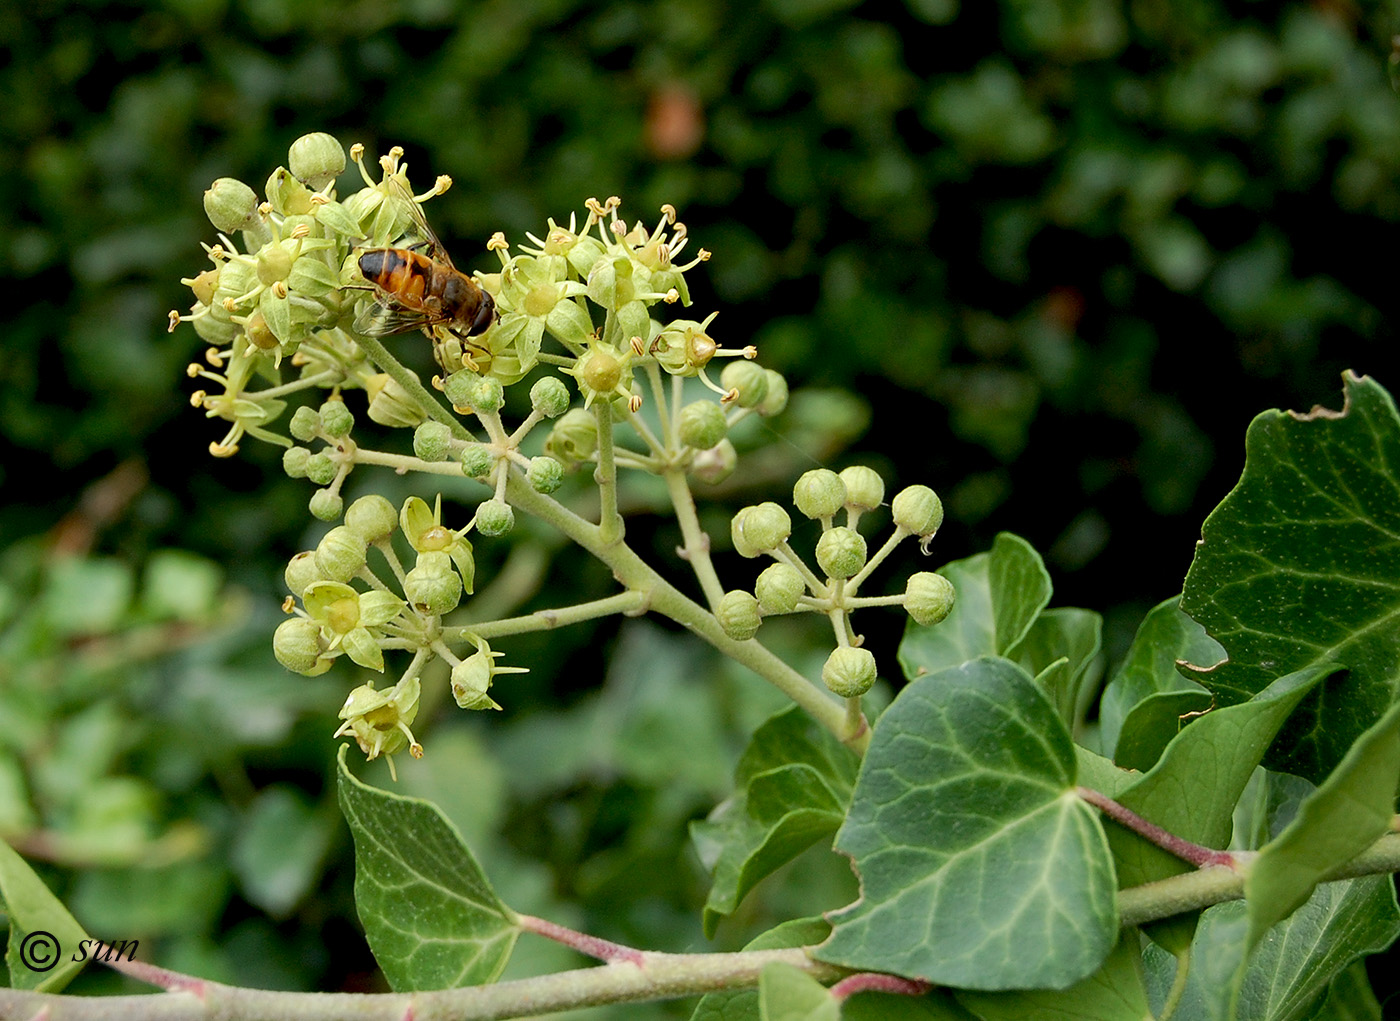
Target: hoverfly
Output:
[{"x": 417, "y": 288}]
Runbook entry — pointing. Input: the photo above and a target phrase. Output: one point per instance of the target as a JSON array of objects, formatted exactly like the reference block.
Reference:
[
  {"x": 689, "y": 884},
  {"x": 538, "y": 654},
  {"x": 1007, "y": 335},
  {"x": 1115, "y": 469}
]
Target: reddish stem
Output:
[
  {"x": 1195, "y": 854},
  {"x": 591, "y": 946},
  {"x": 875, "y": 982},
  {"x": 171, "y": 981}
]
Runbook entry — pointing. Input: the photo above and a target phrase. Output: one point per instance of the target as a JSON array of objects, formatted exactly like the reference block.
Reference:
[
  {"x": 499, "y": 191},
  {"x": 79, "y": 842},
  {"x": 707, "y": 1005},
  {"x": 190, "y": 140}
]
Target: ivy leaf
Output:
[
  {"x": 432, "y": 920},
  {"x": 1298, "y": 565},
  {"x": 786, "y": 993},
  {"x": 980, "y": 866},
  {"x": 33, "y": 910},
  {"x": 1113, "y": 993},
  {"x": 1000, "y": 593},
  {"x": 1154, "y": 723},
  {"x": 792, "y": 784},
  {"x": 1058, "y": 651}
]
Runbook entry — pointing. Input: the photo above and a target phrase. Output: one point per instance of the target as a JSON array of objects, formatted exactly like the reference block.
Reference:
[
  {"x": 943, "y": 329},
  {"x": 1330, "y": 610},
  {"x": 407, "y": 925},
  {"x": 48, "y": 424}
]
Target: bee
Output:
[{"x": 417, "y": 288}]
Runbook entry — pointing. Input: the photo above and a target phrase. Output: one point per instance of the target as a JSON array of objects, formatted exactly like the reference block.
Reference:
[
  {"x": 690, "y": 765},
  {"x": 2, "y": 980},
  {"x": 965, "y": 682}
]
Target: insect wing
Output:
[
  {"x": 421, "y": 236},
  {"x": 386, "y": 318}
]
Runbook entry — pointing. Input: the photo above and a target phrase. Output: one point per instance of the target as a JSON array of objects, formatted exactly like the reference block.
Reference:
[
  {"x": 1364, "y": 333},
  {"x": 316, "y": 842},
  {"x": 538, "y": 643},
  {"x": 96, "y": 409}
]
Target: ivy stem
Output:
[
  {"x": 1187, "y": 851},
  {"x": 884, "y": 551},
  {"x": 546, "y": 620},
  {"x": 875, "y": 982},
  {"x": 609, "y": 520},
  {"x": 590, "y": 946},
  {"x": 408, "y": 379},
  {"x": 696, "y": 550}
]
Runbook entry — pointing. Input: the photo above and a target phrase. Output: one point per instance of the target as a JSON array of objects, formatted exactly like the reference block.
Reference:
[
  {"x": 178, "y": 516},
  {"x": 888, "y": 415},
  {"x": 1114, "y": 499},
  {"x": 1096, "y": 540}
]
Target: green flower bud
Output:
[
  {"x": 340, "y": 554},
  {"x": 865, "y": 490},
  {"x": 819, "y": 493},
  {"x": 549, "y": 396},
  {"x": 917, "y": 510},
  {"x": 775, "y": 400},
  {"x": 321, "y": 470},
  {"x": 390, "y": 404},
  {"x": 545, "y": 475},
  {"x": 336, "y": 419},
  {"x": 325, "y": 504},
  {"x": 482, "y": 394},
  {"x": 716, "y": 464},
  {"x": 494, "y": 518},
  {"x": 274, "y": 264},
  {"x": 778, "y": 589},
  {"x": 316, "y": 159},
  {"x": 749, "y": 379},
  {"x": 230, "y": 205},
  {"x": 703, "y": 425},
  {"x": 305, "y": 424},
  {"x": 433, "y": 587},
  {"x": 431, "y": 440},
  {"x": 294, "y": 461},
  {"x": 302, "y": 572},
  {"x": 766, "y": 526},
  {"x": 372, "y": 518},
  {"x": 928, "y": 597},
  {"x": 739, "y": 615},
  {"x": 286, "y": 194},
  {"x": 849, "y": 672},
  {"x": 737, "y": 533},
  {"x": 297, "y": 645},
  {"x": 477, "y": 460},
  {"x": 841, "y": 552},
  {"x": 573, "y": 439}
]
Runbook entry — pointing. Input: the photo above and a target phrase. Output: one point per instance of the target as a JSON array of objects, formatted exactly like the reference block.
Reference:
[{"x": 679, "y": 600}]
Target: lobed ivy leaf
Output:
[
  {"x": 980, "y": 867},
  {"x": 1299, "y": 565},
  {"x": 431, "y": 918},
  {"x": 1059, "y": 651},
  {"x": 1154, "y": 723},
  {"x": 1113, "y": 993},
  {"x": 792, "y": 786},
  {"x": 32, "y": 908}
]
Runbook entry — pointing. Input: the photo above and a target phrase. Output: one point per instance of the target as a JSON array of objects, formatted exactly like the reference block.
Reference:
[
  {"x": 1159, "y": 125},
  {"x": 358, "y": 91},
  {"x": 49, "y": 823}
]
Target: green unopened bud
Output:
[
  {"x": 739, "y": 615},
  {"x": 841, "y": 552},
  {"x": 928, "y": 597},
  {"x": 230, "y": 205},
  {"x": 482, "y": 394},
  {"x": 573, "y": 439},
  {"x": 917, "y": 510},
  {"x": 372, "y": 518},
  {"x": 819, "y": 493},
  {"x": 316, "y": 159},
  {"x": 302, "y": 572},
  {"x": 766, "y": 526},
  {"x": 321, "y": 470},
  {"x": 305, "y": 424},
  {"x": 549, "y": 396},
  {"x": 325, "y": 504},
  {"x": 294, "y": 461},
  {"x": 340, "y": 554},
  {"x": 702, "y": 425},
  {"x": 737, "y": 533},
  {"x": 477, "y": 460},
  {"x": 546, "y": 474},
  {"x": 716, "y": 464},
  {"x": 286, "y": 194},
  {"x": 865, "y": 490},
  {"x": 390, "y": 404},
  {"x": 336, "y": 419},
  {"x": 431, "y": 441},
  {"x": 433, "y": 587},
  {"x": 749, "y": 379},
  {"x": 778, "y": 589},
  {"x": 775, "y": 400},
  {"x": 849, "y": 672},
  {"x": 274, "y": 264},
  {"x": 297, "y": 645},
  {"x": 494, "y": 518}
]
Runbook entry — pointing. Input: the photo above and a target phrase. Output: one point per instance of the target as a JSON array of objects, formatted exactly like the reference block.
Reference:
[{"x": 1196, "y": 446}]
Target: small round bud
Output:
[
  {"x": 316, "y": 159},
  {"x": 702, "y": 425},
  {"x": 433, "y": 587},
  {"x": 483, "y": 394},
  {"x": 321, "y": 470},
  {"x": 849, "y": 672},
  {"x": 778, "y": 589},
  {"x": 546, "y": 474},
  {"x": 430, "y": 441},
  {"x": 305, "y": 424},
  {"x": 928, "y": 597},
  {"x": 742, "y": 544},
  {"x": 841, "y": 552},
  {"x": 302, "y": 572},
  {"x": 775, "y": 400},
  {"x": 336, "y": 419},
  {"x": 766, "y": 526},
  {"x": 477, "y": 460},
  {"x": 574, "y": 438},
  {"x": 716, "y": 464},
  {"x": 549, "y": 396},
  {"x": 819, "y": 493},
  {"x": 294, "y": 461},
  {"x": 297, "y": 645},
  {"x": 371, "y": 518},
  {"x": 749, "y": 379},
  {"x": 340, "y": 554},
  {"x": 738, "y": 615},
  {"x": 230, "y": 205},
  {"x": 274, "y": 264},
  {"x": 865, "y": 490},
  {"x": 325, "y": 504},
  {"x": 494, "y": 518},
  {"x": 917, "y": 510}
]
